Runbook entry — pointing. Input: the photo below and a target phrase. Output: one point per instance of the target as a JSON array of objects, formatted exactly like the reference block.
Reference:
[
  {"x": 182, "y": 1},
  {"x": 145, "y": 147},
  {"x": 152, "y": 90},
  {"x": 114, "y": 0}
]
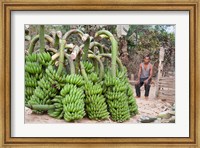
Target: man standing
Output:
[{"x": 144, "y": 77}]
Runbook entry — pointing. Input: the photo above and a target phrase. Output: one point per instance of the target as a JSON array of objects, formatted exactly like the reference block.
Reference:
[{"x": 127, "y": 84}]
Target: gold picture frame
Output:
[{"x": 157, "y": 5}]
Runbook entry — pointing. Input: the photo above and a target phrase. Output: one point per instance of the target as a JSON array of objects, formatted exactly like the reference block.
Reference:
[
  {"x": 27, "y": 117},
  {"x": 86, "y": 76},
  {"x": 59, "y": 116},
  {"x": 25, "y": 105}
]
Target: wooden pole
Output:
[{"x": 160, "y": 69}]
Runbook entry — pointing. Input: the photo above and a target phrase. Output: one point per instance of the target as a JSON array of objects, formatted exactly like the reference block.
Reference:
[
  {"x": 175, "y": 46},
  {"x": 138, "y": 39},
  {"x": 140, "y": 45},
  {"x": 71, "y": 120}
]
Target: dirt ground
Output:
[{"x": 151, "y": 108}]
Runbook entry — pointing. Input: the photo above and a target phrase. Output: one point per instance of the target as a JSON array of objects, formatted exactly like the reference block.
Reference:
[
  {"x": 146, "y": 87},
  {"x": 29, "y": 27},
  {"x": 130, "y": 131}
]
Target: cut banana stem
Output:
[
  {"x": 42, "y": 107},
  {"x": 52, "y": 49},
  {"x": 71, "y": 64},
  {"x": 69, "y": 46},
  {"x": 55, "y": 56}
]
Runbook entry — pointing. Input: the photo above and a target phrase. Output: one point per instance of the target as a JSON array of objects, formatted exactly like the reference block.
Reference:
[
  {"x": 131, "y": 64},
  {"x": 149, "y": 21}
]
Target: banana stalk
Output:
[
  {"x": 97, "y": 59},
  {"x": 119, "y": 63},
  {"x": 86, "y": 38},
  {"x": 93, "y": 44},
  {"x": 36, "y": 39},
  {"x": 114, "y": 48},
  {"x": 61, "y": 58},
  {"x": 41, "y": 37}
]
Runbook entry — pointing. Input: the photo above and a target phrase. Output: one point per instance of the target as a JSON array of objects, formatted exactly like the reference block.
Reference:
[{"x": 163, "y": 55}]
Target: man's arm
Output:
[{"x": 151, "y": 72}]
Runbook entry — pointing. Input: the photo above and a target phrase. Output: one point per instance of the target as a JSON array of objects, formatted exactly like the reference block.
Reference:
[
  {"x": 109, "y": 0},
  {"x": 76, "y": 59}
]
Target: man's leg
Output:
[
  {"x": 147, "y": 88},
  {"x": 137, "y": 88}
]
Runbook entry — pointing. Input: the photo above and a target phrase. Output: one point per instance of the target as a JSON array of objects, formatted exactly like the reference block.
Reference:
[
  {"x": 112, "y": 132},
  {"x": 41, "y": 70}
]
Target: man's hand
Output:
[
  {"x": 138, "y": 81},
  {"x": 146, "y": 81}
]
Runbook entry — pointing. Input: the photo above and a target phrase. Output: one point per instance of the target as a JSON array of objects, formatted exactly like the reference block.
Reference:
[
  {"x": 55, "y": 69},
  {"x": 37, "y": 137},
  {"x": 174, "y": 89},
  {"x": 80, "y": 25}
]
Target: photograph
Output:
[{"x": 99, "y": 73}]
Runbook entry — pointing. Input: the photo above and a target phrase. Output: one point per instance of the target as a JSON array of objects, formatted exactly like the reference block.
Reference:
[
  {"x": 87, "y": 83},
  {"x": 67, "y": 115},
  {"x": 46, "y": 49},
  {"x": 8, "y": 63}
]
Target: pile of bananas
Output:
[
  {"x": 93, "y": 77},
  {"x": 116, "y": 98},
  {"x": 89, "y": 68},
  {"x": 69, "y": 104},
  {"x": 96, "y": 107},
  {"x": 73, "y": 98},
  {"x": 131, "y": 101},
  {"x": 122, "y": 75},
  {"x": 57, "y": 111},
  {"x": 48, "y": 87},
  {"x": 34, "y": 69},
  {"x": 44, "y": 58}
]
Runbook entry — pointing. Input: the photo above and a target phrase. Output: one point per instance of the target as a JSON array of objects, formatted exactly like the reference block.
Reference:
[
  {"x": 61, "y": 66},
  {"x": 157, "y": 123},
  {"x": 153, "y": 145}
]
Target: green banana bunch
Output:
[
  {"x": 122, "y": 75},
  {"x": 31, "y": 57},
  {"x": 131, "y": 101},
  {"x": 55, "y": 79},
  {"x": 35, "y": 65},
  {"x": 44, "y": 58},
  {"x": 120, "y": 86},
  {"x": 109, "y": 80},
  {"x": 28, "y": 93},
  {"x": 73, "y": 98},
  {"x": 89, "y": 68},
  {"x": 119, "y": 112},
  {"x": 116, "y": 98},
  {"x": 48, "y": 87},
  {"x": 58, "y": 111},
  {"x": 33, "y": 68},
  {"x": 96, "y": 107},
  {"x": 93, "y": 77},
  {"x": 75, "y": 79},
  {"x": 30, "y": 81},
  {"x": 33, "y": 71},
  {"x": 69, "y": 104},
  {"x": 93, "y": 89},
  {"x": 95, "y": 104}
]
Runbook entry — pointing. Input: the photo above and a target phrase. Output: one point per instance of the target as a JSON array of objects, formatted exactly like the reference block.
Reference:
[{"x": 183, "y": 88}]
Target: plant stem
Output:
[
  {"x": 83, "y": 71},
  {"x": 114, "y": 48},
  {"x": 36, "y": 39},
  {"x": 71, "y": 64},
  {"x": 73, "y": 31},
  {"x": 98, "y": 60},
  {"x": 42, "y": 42},
  {"x": 119, "y": 63},
  {"x": 86, "y": 48},
  {"x": 61, "y": 58},
  {"x": 56, "y": 44},
  {"x": 100, "y": 47},
  {"x": 42, "y": 107}
]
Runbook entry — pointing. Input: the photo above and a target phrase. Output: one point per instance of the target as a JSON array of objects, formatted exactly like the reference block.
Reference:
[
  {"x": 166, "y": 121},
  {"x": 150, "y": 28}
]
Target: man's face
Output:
[{"x": 146, "y": 60}]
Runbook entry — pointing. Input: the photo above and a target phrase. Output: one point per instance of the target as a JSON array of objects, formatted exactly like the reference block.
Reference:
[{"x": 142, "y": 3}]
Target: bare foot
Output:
[
  {"x": 146, "y": 98},
  {"x": 137, "y": 97}
]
